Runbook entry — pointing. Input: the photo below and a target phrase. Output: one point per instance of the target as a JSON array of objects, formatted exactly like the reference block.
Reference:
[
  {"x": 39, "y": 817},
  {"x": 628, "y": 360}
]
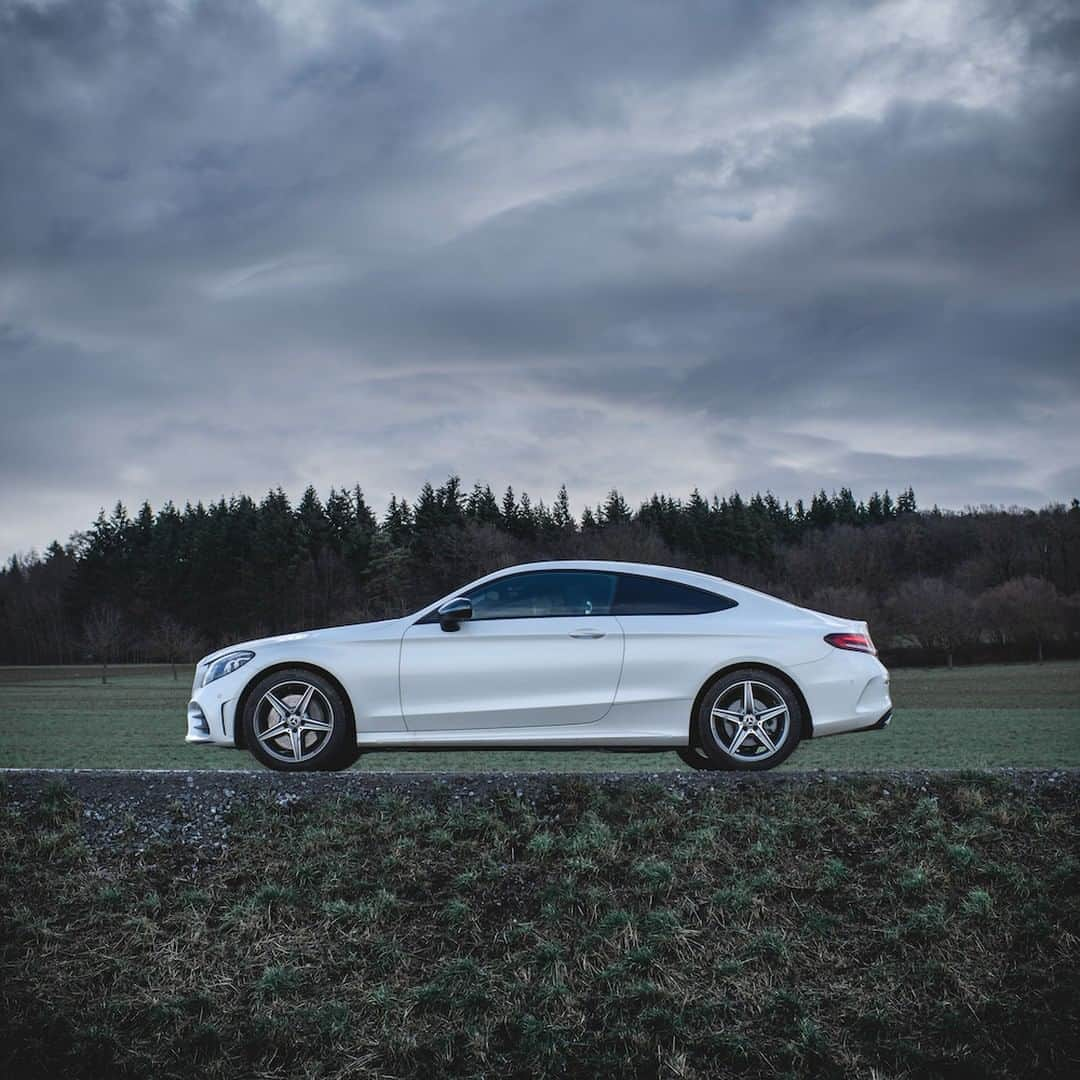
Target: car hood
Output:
[{"x": 372, "y": 631}]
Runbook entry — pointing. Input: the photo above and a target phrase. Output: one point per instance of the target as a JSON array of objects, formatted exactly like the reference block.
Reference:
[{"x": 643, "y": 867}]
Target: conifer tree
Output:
[
  {"x": 561, "y": 515},
  {"x": 615, "y": 510}
]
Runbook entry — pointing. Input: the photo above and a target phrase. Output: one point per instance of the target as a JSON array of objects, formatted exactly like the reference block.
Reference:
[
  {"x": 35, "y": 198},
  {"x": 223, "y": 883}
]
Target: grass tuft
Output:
[
  {"x": 277, "y": 982},
  {"x": 977, "y": 904}
]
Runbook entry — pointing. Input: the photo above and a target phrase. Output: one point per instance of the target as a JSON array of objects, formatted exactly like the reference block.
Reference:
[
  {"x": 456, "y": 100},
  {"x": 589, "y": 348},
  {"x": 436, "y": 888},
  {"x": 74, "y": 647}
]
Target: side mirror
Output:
[{"x": 454, "y": 612}]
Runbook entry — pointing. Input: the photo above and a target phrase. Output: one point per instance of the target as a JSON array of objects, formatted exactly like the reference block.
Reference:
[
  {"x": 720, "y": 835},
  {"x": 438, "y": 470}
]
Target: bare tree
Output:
[
  {"x": 474, "y": 550},
  {"x": 103, "y": 631},
  {"x": 849, "y": 602},
  {"x": 625, "y": 542},
  {"x": 1025, "y": 609},
  {"x": 844, "y": 558},
  {"x": 936, "y": 614},
  {"x": 174, "y": 641}
]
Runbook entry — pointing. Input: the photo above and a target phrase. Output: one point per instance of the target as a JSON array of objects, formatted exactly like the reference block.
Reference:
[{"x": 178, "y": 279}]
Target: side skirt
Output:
[{"x": 523, "y": 739}]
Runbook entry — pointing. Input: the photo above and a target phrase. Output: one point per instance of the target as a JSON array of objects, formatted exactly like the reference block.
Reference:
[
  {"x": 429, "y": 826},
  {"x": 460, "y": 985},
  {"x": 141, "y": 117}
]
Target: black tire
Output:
[
  {"x": 320, "y": 750},
  {"x": 694, "y": 757},
  {"x": 781, "y": 731}
]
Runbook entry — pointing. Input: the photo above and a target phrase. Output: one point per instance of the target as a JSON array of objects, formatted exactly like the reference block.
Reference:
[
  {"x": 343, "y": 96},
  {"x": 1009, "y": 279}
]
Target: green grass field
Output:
[
  {"x": 1014, "y": 714},
  {"x": 864, "y": 928}
]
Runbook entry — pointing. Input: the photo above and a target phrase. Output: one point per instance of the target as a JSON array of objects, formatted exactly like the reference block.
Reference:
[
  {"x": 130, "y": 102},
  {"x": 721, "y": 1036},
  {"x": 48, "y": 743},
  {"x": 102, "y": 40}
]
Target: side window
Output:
[
  {"x": 545, "y": 593},
  {"x": 639, "y": 595}
]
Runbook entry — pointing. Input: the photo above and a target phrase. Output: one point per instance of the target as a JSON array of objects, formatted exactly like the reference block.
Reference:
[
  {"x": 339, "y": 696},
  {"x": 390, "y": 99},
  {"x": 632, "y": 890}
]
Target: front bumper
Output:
[
  {"x": 198, "y": 727},
  {"x": 211, "y": 709}
]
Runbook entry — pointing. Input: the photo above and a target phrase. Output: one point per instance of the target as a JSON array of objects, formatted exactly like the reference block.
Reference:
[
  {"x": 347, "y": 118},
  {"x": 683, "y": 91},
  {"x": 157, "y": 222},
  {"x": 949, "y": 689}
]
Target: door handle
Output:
[{"x": 588, "y": 633}]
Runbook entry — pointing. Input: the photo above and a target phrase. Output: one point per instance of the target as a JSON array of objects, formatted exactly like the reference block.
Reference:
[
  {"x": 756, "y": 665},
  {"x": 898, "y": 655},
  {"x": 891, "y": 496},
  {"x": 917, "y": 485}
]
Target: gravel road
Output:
[{"x": 139, "y": 806}]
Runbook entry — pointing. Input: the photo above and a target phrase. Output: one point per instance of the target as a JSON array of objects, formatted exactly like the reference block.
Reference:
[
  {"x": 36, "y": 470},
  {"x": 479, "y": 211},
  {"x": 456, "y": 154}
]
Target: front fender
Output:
[{"x": 366, "y": 674}]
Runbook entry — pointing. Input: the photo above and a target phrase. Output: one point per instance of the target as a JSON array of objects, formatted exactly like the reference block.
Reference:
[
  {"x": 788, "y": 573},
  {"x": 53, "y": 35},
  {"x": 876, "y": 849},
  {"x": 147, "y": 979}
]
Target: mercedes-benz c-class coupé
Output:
[{"x": 553, "y": 655}]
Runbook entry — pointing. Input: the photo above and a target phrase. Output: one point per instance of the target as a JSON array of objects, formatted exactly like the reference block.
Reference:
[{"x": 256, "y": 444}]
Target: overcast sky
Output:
[{"x": 644, "y": 245}]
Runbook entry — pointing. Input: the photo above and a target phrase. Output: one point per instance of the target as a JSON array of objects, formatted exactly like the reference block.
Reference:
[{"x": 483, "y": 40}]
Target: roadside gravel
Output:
[{"x": 142, "y": 806}]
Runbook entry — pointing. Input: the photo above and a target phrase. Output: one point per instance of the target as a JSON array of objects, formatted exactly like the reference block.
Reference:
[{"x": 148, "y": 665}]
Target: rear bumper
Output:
[
  {"x": 879, "y": 725},
  {"x": 846, "y": 692}
]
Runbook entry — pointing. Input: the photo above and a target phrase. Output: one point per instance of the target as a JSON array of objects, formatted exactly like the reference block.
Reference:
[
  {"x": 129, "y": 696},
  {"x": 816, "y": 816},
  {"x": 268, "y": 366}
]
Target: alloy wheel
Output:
[
  {"x": 293, "y": 721},
  {"x": 750, "y": 721}
]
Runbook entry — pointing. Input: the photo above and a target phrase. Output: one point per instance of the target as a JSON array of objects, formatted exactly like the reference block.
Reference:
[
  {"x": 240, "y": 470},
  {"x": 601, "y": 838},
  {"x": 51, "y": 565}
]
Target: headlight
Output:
[{"x": 226, "y": 665}]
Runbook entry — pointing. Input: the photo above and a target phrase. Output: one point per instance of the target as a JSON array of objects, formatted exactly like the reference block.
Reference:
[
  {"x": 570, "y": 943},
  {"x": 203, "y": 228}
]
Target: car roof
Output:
[
  {"x": 670, "y": 573},
  {"x": 742, "y": 594}
]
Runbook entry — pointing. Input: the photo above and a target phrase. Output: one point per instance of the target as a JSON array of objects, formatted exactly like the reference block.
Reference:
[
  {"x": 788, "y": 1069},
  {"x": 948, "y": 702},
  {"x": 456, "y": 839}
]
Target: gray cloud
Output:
[{"x": 778, "y": 245}]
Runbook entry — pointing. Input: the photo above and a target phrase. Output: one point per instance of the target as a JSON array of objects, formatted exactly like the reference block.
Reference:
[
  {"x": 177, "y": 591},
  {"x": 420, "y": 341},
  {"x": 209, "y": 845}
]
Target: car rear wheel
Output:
[
  {"x": 749, "y": 720},
  {"x": 297, "y": 721},
  {"x": 695, "y": 757}
]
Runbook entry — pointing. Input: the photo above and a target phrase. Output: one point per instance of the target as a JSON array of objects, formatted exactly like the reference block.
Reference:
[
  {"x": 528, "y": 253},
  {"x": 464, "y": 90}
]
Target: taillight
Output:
[{"x": 852, "y": 642}]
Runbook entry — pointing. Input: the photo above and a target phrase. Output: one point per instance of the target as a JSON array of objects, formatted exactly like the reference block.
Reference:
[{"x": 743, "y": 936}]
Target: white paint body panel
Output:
[
  {"x": 510, "y": 673},
  {"x": 528, "y": 682}
]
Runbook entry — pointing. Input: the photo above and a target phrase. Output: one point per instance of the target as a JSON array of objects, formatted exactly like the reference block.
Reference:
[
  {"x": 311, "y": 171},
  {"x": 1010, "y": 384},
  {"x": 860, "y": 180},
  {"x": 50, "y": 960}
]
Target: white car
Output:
[{"x": 553, "y": 655}]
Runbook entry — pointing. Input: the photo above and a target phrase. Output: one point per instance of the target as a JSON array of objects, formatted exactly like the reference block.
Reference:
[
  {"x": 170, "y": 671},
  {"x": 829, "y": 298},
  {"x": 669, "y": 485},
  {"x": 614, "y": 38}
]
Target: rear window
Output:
[{"x": 639, "y": 595}]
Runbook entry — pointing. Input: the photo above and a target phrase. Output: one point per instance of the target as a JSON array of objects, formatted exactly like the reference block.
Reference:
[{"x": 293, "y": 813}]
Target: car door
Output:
[{"x": 542, "y": 649}]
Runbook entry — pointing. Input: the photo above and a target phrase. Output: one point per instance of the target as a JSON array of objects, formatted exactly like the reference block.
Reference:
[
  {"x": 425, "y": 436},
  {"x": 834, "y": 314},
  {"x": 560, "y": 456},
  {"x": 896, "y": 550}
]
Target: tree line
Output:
[{"x": 166, "y": 585}]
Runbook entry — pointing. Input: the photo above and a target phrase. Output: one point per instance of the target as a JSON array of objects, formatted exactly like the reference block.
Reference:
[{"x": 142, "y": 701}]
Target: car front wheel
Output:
[
  {"x": 748, "y": 720},
  {"x": 297, "y": 721}
]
